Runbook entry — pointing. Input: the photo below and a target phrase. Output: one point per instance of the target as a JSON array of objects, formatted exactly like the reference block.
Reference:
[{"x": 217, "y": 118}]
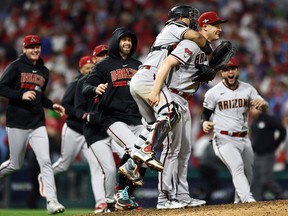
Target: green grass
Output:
[{"x": 42, "y": 212}]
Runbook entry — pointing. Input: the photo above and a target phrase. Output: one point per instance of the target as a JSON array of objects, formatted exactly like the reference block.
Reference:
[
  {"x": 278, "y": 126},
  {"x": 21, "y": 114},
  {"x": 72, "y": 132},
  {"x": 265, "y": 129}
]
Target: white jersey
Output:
[
  {"x": 230, "y": 106},
  {"x": 171, "y": 34},
  {"x": 189, "y": 54}
]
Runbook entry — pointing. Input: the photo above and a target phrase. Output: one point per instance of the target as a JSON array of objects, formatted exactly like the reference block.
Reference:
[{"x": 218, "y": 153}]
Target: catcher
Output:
[{"x": 178, "y": 71}]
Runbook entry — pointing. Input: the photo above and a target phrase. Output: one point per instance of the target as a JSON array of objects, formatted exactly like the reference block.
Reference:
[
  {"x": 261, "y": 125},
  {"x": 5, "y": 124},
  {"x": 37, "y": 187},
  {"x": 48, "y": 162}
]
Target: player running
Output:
[{"x": 229, "y": 102}]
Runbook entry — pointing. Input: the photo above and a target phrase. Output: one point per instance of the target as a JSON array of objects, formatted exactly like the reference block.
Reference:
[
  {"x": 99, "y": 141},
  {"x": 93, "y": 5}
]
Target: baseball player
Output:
[
  {"x": 176, "y": 151},
  {"x": 102, "y": 185},
  {"x": 182, "y": 20},
  {"x": 24, "y": 82},
  {"x": 229, "y": 102},
  {"x": 117, "y": 112}
]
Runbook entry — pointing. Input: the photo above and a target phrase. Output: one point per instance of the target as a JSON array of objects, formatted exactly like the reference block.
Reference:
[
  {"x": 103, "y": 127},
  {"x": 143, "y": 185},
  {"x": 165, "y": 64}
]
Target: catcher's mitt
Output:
[
  {"x": 221, "y": 55},
  {"x": 205, "y": 73}
]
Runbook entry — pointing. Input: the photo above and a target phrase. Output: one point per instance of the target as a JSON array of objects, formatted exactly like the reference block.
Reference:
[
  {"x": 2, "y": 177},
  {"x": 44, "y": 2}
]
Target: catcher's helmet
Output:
[{"x": 184, "y": 11}]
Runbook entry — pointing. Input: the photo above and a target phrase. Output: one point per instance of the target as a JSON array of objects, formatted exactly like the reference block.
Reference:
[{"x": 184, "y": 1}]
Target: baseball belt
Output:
[
  {"x": 182, "y": 94},
  {"x": 235, "y": 134}
]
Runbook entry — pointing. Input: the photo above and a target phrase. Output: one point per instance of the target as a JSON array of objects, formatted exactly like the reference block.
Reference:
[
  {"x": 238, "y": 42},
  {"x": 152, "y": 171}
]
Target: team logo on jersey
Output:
[{"x": 187, "y": 53}]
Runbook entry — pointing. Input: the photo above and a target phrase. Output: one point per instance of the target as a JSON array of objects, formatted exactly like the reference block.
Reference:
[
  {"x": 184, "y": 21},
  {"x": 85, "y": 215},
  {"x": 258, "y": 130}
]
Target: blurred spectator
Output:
[{"x": 267, "y": 134}]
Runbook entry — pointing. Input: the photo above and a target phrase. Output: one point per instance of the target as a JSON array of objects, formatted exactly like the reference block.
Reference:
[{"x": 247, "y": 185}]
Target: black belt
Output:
[
  {"x": 235, "y": 134},
  {"x": 182, "y": 94}
]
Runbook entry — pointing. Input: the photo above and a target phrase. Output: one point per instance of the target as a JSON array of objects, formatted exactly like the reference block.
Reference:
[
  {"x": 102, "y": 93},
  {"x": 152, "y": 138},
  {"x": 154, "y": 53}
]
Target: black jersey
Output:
[
  {"x": 92, "y": 131},
  {"x": 68, "y": 103},
  {"x": 20, "y": 76},
  {"x": 116, "y": 104}
]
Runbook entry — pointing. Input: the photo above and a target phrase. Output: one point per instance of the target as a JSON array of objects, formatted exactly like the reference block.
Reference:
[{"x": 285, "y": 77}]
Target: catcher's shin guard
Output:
[{"x": 163, "y": 125}]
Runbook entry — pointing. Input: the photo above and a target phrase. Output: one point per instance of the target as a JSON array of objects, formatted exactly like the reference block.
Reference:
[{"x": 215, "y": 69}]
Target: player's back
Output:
[{"x": 170, "y": 35}]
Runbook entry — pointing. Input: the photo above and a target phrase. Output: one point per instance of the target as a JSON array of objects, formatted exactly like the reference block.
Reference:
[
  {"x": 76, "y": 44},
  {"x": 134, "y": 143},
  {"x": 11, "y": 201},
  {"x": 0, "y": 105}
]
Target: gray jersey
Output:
[
  {"x": 188, "y": 53},
  {"x": 230, "y": 106},
  {"x": 169, "y": 36}
]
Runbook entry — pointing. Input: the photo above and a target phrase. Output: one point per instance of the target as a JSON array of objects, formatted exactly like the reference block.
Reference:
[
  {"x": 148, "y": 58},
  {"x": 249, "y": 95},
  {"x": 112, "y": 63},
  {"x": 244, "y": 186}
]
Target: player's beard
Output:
[
  {"x": 124, "y": 52},
  {"x": 231, "y": 85}
]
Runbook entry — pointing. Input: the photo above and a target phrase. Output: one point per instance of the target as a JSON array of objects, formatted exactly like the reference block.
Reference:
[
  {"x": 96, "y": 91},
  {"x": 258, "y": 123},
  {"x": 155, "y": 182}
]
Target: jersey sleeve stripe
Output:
[{"x": 180, "y": 60}]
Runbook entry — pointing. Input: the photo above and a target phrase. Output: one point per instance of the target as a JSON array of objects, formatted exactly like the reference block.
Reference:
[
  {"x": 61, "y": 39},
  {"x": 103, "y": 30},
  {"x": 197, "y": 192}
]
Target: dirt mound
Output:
[{"x": 277, "y": 208}]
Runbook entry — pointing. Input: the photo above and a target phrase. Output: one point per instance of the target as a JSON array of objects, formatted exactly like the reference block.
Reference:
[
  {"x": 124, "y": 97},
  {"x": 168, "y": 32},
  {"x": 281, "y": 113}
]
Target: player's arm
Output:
[
  {"x": 199, "y": 39},
  {"x": 68, "y": 99},
  {"x": 161, "y": 76},
  {"x": 206, "y": 124},
  {"x": 80, "y": 102},
  {"x": 8, "y": 78}
]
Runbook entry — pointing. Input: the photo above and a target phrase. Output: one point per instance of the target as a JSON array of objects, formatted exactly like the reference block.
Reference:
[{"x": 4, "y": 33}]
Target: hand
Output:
[
  {"x": 207, "y": 126},
  {"x": 29, "y": 95},
  {"x": 153, "y": 99},
  {"x": 59, "y": 109},
  {"x": 101, "y": 88},
  {"x": 260, "y": 104}
]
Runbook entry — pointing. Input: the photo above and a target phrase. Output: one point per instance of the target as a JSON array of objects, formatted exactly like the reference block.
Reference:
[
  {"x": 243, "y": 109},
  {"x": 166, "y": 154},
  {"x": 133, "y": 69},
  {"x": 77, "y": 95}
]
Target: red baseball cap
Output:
[
  {"x": 31, "y": 40},
  {"x": 210, "y": 18},
  {"x": 99, "y": 49},
  {"x": 232, "y": 63},
  {"x": 85, "y": 60}
]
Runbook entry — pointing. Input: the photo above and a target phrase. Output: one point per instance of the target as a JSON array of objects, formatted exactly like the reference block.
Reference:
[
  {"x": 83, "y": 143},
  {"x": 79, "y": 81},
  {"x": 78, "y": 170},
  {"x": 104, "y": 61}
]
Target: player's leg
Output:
[
  {"x": 166, "y": 184},
  {"x": 71, "y": 144},
  {"x": 39, "y": 142},
  {"x": 102, "y": 151},
  {"x": 182, "y": 192},
  {"x": 229, "y": 152},
  {"x": 97, "y": 180},
  {"x": 248, "y": 160},
  {"x": 18, "y": 141},
  {"x": 122, "y": 134},
  {"x": 168, "y": 116}
]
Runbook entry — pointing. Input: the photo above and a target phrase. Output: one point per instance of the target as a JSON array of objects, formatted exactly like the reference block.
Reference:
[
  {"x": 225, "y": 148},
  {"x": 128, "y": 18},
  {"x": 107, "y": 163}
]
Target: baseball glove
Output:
[
  {"x": 205, "y": 73},
  {"x": 221, "y": 55}
]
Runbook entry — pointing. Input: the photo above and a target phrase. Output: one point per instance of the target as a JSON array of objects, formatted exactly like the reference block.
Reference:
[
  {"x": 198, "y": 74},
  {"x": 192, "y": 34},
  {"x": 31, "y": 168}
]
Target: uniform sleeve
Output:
[
  {"x": 80, "y": 102},
  {"x": 184, "y": 51},
  {"x": 8, "y": 83},
  {"x": 68, "y": 99},
  {"x": 90, "y": 84},
  {"x": 254, "y": 94},
  {"x": 209, "y": 100},
  {"x": 47, "y": 103},
  {"x": 178, "y": 31}
]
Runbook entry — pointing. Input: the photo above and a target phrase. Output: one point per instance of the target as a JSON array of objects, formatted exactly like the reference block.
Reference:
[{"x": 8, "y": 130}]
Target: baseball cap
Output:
[
  {"x": 31, "y": 40},
  {"x": 99, "y": 49},
  {"x": 210, "y": 18},
  {"x": 232, "y": 63},
  {"x": 85, "y": 60}
]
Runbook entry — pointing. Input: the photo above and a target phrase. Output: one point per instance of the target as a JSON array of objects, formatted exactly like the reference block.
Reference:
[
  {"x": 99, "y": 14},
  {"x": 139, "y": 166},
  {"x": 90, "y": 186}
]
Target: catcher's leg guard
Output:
[
  {"x": 163, "y": 125},
  {"x": 158, "y": 132}
]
